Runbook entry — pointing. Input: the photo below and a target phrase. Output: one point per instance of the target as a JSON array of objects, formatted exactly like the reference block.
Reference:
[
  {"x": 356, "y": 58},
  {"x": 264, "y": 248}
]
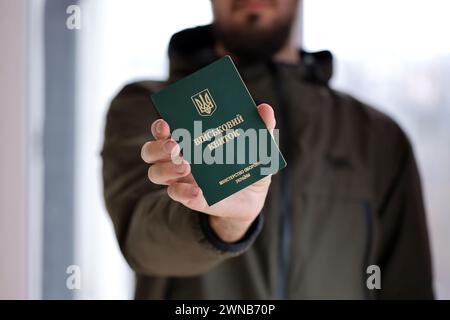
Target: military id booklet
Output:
[{"x": 221, "y": 134}]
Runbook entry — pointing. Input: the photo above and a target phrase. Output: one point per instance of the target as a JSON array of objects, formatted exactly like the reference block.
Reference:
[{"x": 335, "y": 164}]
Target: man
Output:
[{"x": 350, "y": 197}]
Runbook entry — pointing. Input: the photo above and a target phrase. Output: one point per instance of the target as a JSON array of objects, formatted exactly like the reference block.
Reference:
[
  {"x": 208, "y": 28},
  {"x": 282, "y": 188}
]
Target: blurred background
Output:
[{"x": 57, "y": 79}]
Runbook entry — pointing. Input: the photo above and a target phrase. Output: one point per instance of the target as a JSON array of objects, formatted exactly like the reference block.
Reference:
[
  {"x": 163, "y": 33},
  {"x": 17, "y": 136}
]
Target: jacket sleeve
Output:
[
  {"x": 402, "y": 248},
  {"x": 156, "y": 235}
]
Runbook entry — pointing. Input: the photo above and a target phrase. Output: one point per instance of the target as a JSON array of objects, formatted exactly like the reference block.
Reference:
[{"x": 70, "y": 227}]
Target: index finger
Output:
[{"x": 160, "y": 129}]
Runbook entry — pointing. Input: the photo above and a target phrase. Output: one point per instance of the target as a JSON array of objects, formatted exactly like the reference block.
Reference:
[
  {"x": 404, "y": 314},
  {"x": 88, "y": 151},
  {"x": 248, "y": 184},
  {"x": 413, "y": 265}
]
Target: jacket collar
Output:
[{"x": 192, "y": 49}]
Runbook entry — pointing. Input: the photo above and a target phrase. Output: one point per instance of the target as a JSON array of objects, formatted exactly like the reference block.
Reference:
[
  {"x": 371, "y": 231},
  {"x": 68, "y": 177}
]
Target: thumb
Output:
[{"x": 268, "y": 115}]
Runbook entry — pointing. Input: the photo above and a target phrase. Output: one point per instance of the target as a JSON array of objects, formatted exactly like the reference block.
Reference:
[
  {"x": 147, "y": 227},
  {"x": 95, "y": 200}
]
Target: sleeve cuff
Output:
[{"x": 235, "y": 247}]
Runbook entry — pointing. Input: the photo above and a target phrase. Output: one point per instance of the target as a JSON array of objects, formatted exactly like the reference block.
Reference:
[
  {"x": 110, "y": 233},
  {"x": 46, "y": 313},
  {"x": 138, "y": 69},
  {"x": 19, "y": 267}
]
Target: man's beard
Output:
[{"x": 252, "y": 44}]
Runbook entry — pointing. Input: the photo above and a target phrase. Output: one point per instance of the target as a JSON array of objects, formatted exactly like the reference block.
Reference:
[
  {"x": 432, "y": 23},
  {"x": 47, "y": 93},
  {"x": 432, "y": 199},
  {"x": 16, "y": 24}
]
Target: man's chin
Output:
[
  {"x": 254, "y": 43},
  {"x": 257, "y": 21}
]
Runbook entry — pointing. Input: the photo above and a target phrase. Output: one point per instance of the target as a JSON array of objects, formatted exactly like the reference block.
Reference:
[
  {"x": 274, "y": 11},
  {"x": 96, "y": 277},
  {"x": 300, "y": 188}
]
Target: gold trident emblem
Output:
[{"x": 204, "y": 103}]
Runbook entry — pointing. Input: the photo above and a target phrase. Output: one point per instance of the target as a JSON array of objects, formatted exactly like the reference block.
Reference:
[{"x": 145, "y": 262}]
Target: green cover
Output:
[{"x": 229, "y": 157}]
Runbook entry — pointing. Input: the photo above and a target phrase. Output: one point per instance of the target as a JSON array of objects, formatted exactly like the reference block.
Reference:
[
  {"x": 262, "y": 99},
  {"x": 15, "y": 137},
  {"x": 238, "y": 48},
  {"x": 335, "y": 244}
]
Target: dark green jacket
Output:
[{"x": 349, "y": 198}]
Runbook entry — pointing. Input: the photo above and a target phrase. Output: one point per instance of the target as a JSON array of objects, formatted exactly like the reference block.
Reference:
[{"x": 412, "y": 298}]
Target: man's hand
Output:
[{"x": 229, "y": 218}]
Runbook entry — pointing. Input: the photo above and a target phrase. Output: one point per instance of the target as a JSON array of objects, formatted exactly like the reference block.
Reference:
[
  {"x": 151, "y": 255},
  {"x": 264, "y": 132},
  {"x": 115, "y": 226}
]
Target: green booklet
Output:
[{"x": 214, "y": 119}]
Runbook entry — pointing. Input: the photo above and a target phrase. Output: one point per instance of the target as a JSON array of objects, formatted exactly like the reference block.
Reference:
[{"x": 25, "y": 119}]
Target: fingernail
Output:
[
  {"x": 158, "y": 127},
  {"x": 176, "y": 159},
  {"x": 194, "y": 191},
  {"x": 180, "y": 168},
  {"x": 168, "y": 146}
]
